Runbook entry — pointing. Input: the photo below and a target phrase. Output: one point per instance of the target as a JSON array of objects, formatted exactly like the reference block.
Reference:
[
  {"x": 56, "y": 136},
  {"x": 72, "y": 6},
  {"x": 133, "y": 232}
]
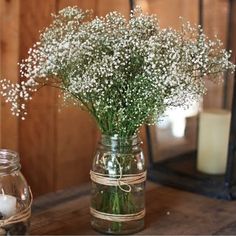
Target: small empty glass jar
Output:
[{"x": 15, "y": 196}]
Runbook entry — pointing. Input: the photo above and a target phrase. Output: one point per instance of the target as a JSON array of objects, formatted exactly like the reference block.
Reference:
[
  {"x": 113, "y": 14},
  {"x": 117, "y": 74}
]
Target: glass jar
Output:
[
  {"x": 118, "y": 186},
  {"x": 15, "y": 196}
]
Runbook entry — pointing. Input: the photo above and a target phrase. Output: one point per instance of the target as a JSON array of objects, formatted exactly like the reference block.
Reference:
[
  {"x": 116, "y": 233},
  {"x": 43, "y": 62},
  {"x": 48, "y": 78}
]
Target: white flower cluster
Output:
[
  {"x": 124, "y": 72},
  {"x": 14, "y": 93}
]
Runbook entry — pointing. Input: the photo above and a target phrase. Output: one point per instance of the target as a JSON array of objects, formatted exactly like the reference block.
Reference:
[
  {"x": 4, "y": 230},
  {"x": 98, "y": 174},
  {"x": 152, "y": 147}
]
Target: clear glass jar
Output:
[
  {"x": 115, "y": 160},
  {"x": 15, "y": 196}
]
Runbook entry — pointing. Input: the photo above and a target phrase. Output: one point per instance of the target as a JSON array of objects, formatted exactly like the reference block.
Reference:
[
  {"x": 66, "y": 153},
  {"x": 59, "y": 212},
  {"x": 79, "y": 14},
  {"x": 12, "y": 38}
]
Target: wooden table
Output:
[{"x": 169, "y": 211}]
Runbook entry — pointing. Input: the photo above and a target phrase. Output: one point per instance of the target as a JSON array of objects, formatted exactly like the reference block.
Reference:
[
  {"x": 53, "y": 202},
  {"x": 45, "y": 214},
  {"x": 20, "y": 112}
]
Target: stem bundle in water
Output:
[{"x": 118, "y": 193}]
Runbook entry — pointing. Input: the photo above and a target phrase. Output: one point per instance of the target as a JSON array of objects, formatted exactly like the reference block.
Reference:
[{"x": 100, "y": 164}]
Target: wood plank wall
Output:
[
  {"x": 9, "y": 48},
  {"x": 56, "y": 147},
  {"x": 215, "y": 24}
]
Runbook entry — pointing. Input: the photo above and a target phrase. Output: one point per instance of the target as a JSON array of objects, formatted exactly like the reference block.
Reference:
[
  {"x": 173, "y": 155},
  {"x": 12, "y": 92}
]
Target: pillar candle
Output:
[{"x": 213, "y": 137}]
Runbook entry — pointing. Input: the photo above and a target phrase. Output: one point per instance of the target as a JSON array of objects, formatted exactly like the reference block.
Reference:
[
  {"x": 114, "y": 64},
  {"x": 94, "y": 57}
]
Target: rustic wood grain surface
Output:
[{"x": 169, "y": 212}]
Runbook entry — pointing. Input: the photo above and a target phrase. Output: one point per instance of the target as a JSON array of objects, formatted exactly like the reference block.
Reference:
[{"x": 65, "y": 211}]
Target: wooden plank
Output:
[
  {"x": 83, "y": 4},
  {"x": 76, "y": 134},
  {"x": 169, "y": 212},
  {"x": 9, "y": 34},
  {"x": 106, "y": 6},
  {"x": 232, "y": 46},
  {"x": 1, "y": 32},
  {"x": 38, "y": 132},
  {"x": 65, "y": 3},
  {"x": 169, "y": 16},
  {"x": 233, "y": 40},
  {"x": 86, "y": 5},
  {"x": 215, "y": 23}
]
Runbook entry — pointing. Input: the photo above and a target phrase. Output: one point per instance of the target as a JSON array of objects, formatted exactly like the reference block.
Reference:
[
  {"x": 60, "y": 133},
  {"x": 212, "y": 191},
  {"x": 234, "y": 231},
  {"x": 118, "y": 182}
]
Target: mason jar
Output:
[
  {"x": 15, "y": 196},
  {"x": 118, "y": 186}
]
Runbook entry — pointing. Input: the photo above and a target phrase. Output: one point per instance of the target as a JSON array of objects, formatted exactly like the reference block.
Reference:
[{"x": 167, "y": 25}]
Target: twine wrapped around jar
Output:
[
  {"x": 20, "y": 216},
  {"x": 117, "y": 217},
  {"x": 120, "y": 181}
]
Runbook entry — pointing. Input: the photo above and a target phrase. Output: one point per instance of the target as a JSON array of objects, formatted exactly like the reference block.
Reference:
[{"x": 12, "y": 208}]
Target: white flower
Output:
[{"x": 125, "y": 73}]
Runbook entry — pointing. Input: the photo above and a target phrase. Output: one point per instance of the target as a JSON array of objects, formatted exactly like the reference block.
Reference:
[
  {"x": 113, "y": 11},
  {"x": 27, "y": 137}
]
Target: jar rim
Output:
[
  {"x": 9, "y": 160},
  {"x": 115, "y": 140},
  {"x": 116, "y": 136}
]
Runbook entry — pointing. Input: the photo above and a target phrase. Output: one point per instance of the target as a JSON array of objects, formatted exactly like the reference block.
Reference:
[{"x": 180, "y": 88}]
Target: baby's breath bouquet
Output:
[{"x": 125, "y": 73}]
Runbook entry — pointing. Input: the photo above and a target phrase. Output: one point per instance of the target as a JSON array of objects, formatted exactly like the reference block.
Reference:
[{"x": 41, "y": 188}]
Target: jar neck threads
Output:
[
  {"x": 116, "y": 143},
  {"x": 9, "y": 161}
]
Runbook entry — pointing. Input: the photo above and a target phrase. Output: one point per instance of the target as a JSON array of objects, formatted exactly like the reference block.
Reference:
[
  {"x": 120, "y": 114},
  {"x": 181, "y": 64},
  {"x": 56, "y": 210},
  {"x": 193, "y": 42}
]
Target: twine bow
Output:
[{"x": 118, "y": 179}]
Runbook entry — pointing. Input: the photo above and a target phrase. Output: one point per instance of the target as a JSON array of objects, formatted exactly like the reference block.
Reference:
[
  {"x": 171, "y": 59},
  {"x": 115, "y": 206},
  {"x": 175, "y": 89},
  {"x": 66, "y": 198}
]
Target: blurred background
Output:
[{"x": 56, "y": 144}]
